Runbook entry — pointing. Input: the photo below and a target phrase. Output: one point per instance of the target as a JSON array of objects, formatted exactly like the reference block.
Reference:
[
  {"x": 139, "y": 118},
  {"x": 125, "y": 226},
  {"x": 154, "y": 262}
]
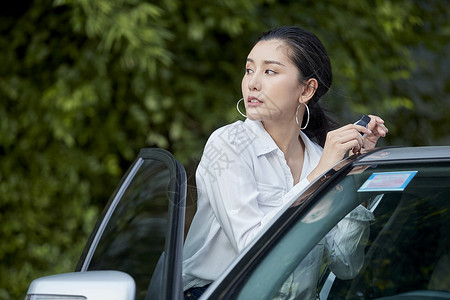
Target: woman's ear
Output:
[{"x": 309, "y": 90}]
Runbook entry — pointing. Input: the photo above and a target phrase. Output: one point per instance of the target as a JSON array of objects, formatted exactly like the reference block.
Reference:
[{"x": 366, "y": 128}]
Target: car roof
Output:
[{"x": 405, "y": 154}]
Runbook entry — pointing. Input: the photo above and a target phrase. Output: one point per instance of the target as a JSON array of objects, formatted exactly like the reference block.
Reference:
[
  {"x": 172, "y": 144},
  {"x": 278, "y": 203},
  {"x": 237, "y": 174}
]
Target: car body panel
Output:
[{"x": 396, "y": 154}]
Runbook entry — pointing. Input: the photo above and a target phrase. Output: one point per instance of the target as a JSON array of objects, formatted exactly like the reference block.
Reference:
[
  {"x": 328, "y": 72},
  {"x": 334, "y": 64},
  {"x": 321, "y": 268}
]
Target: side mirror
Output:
[{"x": 92, "y": 285}]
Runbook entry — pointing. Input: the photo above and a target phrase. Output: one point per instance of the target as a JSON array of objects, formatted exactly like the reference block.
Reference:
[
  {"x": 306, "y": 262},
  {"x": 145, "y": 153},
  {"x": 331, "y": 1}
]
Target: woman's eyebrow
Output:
[
  {"x": 273, "y": 62},
  {"x": 267, "y": 62}
]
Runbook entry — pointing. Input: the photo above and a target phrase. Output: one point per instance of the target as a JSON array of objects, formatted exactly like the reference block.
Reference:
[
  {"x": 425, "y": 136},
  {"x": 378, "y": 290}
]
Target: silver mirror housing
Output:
[{"x": 90, "y": 285}]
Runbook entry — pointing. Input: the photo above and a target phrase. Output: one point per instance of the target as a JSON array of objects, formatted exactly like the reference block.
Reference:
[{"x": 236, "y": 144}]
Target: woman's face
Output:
[{"x": 270, "y": 85}]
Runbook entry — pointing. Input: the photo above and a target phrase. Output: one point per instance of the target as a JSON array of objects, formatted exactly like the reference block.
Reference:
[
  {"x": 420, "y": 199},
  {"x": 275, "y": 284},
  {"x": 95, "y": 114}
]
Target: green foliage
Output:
[{"x": 85, "y": 84}]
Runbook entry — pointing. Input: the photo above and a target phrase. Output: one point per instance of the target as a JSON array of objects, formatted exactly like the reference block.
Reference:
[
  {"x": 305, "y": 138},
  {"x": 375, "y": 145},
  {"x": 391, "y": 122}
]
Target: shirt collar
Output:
[
  {"x": 312, "y": 154},
  {"x": 262, "y": 140},
  {"x": 265, "y": 144},
  {"x": 311, "y": 149}
]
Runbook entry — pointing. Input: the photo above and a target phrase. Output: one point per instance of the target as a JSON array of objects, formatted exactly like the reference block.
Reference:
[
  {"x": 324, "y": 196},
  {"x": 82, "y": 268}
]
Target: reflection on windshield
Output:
[
  {"x": 341, "y": 250},
  {"x": 323, "y": 208}
]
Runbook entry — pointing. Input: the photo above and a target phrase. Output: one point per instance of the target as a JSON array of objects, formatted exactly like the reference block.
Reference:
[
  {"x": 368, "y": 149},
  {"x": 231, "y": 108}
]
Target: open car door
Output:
[{"x": 136, "y": 245}]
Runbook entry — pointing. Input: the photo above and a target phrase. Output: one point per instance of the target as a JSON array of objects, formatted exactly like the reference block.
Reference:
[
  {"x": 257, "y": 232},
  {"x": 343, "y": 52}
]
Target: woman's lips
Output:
[{"x": 253, "y": 101}]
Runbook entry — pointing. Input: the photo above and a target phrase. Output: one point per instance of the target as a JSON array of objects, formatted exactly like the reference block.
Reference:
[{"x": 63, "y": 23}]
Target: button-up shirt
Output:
[{"x": 243, "y": 181}]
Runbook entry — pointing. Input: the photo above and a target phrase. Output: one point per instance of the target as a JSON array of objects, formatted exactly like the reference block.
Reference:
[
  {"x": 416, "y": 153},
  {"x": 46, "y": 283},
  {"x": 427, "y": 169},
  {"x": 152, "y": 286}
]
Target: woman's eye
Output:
[
  {"x": 270, "y": 72},
  {"x": 248, "y": 71}
]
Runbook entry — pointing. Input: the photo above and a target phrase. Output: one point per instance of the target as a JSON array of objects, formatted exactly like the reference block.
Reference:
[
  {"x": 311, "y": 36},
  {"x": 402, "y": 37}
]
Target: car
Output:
[{"x": 375, "y": 226}]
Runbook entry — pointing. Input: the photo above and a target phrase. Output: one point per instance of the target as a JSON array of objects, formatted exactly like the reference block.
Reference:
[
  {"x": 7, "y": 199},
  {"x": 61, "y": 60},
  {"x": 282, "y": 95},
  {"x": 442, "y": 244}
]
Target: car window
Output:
[
  {"x": 368, "y": 236},
  {"x": 143, "y": 220},
  {"x": 134, "y": 238}
]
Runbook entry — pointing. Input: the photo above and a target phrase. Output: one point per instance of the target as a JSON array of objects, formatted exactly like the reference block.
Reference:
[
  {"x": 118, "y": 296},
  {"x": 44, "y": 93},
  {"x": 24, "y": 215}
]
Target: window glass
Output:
[
  {"x": 364, "y": 243},
  {"x": 134, "y": 238}
]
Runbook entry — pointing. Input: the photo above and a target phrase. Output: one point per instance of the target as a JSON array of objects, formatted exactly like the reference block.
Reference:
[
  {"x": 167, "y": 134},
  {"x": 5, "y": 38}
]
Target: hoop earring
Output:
[
  {"x": 237, "y": 107},
  {"x": 296, "y": 117}
]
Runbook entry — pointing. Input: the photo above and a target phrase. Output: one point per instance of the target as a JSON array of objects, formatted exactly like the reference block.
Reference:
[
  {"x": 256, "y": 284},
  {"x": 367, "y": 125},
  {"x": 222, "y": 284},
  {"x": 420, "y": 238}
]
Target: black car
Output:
[{"x": 402, "y": 249}]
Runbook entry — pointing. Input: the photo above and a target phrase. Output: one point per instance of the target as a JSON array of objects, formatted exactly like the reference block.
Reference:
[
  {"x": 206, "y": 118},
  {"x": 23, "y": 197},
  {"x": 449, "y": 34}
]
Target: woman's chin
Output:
[
  {"x": 254, "y": 117},
  {"x": 260, "y": 117}
]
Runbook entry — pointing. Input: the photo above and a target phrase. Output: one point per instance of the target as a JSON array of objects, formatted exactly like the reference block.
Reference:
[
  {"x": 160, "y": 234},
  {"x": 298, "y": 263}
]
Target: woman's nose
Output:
[{"x": 254, "y": 83}]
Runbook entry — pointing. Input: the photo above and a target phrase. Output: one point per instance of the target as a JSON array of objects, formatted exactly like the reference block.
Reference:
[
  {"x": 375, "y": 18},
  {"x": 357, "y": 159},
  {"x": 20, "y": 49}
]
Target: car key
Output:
[{"x": 364, "y": 121}]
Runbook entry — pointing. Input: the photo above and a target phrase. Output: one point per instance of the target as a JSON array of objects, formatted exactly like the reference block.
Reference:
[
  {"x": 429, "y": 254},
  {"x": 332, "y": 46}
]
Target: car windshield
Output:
[{"x": 378, "y": 232}]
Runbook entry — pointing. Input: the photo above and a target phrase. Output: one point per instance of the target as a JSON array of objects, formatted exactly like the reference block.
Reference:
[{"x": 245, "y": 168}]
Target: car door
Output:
[
  {"x": 141, "y": 229},
  {"x": 135, "y": 249},
  {"x": 394, "y": 219}
]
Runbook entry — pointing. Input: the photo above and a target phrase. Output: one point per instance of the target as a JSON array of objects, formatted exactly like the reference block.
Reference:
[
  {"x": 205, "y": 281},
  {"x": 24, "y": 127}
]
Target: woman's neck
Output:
[
  {"x": 286, "y": 137},
  {"x": 288, "y": 140}
]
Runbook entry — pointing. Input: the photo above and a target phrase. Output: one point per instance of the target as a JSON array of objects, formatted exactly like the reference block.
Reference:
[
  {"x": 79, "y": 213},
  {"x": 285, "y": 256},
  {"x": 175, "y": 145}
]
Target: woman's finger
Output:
[
  {"x": 346, "y": 139},
  {"x": 353, "y": 127},
  {"x": 376, "y": 124}
]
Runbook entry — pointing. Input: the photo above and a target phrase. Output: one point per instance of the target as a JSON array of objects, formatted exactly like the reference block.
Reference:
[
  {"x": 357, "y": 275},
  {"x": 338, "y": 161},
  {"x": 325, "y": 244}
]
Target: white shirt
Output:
[{"x": 243, "y": 181}]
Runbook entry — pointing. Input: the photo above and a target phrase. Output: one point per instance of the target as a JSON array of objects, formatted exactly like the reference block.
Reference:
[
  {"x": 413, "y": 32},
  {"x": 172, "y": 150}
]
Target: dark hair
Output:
[{"x": 309, "y": 55}]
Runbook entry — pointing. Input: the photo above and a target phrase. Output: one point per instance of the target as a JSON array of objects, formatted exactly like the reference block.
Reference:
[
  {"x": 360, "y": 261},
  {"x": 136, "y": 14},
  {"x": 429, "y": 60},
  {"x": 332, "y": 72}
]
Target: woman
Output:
[{"x": 250, "y": 170}]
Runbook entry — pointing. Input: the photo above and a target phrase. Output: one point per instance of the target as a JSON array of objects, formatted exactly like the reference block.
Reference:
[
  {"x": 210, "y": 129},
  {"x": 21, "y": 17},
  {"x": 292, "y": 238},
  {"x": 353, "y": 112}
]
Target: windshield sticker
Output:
[{"x": 388, "y": 181}]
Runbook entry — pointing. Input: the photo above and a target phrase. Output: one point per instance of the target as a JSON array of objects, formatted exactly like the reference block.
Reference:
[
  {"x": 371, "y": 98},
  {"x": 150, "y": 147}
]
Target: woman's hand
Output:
[
  {"x": 376, "y": 125},
  {"x": 348, "y": 138}
]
